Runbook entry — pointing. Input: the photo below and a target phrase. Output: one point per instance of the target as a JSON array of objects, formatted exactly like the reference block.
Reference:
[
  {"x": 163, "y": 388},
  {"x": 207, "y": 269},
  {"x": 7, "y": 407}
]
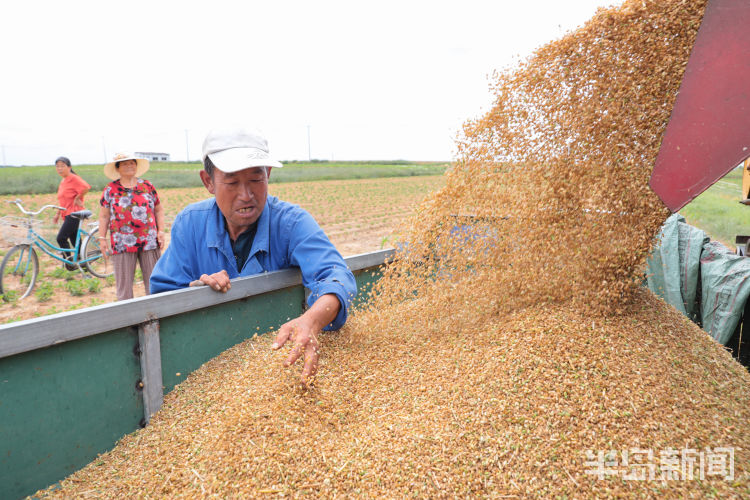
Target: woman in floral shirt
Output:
[{"x": 132, "y": 213}]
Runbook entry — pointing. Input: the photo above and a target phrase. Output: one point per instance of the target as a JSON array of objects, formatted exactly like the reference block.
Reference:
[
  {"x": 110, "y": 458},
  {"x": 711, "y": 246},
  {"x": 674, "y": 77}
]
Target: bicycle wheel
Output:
[
  {"x": 18, "y": 272},
  {"x": 90, "y": 249}
]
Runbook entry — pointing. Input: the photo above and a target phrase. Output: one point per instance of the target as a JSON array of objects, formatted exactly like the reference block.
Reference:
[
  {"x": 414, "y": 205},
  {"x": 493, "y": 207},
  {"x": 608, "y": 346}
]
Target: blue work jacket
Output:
[{"x": 287, "y": 236}]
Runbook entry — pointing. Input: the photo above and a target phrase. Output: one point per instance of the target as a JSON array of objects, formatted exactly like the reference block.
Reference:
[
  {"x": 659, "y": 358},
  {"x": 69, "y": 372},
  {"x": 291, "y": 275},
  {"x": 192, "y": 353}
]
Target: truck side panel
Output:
[{"x": 64, "y": 404}]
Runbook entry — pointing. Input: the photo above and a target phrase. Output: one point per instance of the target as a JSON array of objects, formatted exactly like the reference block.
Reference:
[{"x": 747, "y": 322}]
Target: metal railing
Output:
[{"x": 50, "y": 330}]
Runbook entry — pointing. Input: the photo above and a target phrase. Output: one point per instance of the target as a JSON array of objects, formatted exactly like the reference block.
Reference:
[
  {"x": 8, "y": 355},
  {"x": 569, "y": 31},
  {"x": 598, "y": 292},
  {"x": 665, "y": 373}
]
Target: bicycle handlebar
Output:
[{"x": 17, "y": 202}]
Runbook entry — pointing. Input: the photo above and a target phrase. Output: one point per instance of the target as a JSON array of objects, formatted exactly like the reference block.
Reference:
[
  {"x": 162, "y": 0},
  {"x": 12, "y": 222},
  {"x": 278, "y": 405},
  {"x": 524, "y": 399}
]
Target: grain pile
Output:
[{"x": 509, "y": 338}]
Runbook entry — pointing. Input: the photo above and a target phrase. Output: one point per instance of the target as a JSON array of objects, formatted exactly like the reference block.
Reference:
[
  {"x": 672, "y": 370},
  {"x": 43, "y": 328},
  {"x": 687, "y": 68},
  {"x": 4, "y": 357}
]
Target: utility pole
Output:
[
  {"x": 4, "y": 155},
  {"x": 309, "y": 156},
  {"x": 104, "y": 148},
  {"x": 187, "y": 149}
]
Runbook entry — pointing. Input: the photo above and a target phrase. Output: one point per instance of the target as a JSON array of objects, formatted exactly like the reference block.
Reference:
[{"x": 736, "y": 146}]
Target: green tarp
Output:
[
  {"x": 702, "y": 279},
  {"x": 674, "y": 265}
]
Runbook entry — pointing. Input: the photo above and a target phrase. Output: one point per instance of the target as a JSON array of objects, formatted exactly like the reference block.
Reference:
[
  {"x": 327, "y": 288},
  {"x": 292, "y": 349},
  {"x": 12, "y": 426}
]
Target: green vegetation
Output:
[
  {"x": 60, "y": 273},
  {"x": 76, "y": 288},
  {"x": 44, "y": 179},
  {"x": 717, "y": 210},
  {"x": 11, "y": 296},
  {"x": 94, "y": 285},
  {"x": 44, "y": 291}
]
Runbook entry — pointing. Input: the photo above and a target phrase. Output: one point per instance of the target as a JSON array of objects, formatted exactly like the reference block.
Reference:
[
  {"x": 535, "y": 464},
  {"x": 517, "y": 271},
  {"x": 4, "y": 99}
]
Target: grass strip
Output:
[{"x": 44, "y": 179}]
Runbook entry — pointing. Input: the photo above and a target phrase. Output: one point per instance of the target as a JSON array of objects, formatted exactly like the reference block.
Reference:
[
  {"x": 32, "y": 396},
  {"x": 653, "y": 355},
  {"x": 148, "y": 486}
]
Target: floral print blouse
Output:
[{"x": 132, "y": 223}]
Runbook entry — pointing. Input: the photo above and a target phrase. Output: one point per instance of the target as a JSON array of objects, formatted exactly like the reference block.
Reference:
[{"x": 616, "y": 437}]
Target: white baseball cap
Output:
[{"x": 236, "y": 149}]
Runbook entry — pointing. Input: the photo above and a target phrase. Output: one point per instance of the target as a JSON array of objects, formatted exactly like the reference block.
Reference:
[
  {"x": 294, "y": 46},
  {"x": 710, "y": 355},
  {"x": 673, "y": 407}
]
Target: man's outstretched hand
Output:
[{"x": 305, "y": 331}]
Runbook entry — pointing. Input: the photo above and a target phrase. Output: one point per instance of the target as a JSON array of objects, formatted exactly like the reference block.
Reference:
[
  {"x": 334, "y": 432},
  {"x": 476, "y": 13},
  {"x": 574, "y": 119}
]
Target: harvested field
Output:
[
  {"x": 357, "y": 215},
  {"x": 509, "y": 339}
]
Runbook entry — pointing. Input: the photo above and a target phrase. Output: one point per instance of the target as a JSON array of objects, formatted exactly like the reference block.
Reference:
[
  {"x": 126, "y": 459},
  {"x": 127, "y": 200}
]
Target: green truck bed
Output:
[{"x": 72, "y": 384}]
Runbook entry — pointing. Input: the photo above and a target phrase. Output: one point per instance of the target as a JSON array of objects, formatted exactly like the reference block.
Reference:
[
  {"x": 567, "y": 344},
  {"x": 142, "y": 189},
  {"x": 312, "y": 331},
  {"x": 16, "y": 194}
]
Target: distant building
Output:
[{"x": 153, "y": 156}]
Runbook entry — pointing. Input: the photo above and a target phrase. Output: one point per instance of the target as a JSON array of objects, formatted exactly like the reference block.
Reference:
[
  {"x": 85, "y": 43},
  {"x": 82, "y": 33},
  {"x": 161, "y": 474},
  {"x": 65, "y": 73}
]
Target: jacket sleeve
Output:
[
  {"x": 173, "y": 270},
  {"x": 323, "y": 268}
]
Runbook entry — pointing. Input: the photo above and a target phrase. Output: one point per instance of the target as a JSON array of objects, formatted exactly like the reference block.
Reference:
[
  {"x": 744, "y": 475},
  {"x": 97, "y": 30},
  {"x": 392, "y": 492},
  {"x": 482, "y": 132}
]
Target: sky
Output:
[{"x": 329, "y": 80}]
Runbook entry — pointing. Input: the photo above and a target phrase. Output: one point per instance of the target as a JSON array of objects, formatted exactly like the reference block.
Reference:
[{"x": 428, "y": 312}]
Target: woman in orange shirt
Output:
[{"x": 69, "y": 196}]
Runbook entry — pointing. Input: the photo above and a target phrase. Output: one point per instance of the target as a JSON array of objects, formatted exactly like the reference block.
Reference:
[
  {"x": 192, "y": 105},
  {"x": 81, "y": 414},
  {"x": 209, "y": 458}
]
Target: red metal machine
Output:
[{"x": 709, "y": 131}]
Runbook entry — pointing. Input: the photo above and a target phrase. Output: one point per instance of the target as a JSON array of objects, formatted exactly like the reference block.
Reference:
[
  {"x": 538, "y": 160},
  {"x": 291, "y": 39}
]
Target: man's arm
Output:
[
  {"x": 331, "y": 286},
  {"x": 323, "y": 268},
  {"x": 173, "y": 270}
]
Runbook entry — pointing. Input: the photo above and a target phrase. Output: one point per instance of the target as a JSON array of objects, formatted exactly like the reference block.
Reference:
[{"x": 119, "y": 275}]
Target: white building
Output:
[{"x": 153, "y": 156}]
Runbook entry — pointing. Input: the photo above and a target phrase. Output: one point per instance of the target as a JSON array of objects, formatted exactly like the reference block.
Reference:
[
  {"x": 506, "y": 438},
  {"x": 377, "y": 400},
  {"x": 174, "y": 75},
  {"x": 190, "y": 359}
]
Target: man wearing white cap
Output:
[{"x": 243, "y": 231}]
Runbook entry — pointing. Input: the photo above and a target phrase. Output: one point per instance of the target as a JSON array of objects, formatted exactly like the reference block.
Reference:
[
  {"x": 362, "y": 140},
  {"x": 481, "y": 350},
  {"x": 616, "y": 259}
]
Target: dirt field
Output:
[{"x": 358, "y": 216}]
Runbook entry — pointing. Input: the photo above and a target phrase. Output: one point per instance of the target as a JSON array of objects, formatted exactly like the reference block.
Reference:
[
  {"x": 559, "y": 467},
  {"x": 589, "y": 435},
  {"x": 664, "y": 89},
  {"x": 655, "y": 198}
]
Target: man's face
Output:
[{"x": 240, "y": 196}]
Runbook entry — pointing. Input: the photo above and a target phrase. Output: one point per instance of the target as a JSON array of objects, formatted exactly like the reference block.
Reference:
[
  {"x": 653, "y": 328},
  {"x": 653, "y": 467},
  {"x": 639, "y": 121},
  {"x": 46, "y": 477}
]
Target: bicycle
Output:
[{"x": 20, "y": 266}]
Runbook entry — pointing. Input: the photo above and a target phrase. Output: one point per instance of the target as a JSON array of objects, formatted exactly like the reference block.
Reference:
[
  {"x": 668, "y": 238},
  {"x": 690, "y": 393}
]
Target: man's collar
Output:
[{"x": 262, "y": 236}]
